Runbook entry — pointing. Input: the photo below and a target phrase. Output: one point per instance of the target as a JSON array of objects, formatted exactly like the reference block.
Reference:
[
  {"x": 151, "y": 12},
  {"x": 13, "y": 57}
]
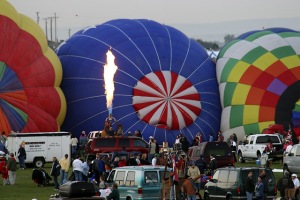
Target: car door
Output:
[
  {"x": 296, "y": 159},
  {"x": 222, "y": 185},
  {"x": 290, "y": 159},
  {"x": 151, "y": 185},
  {"x": 247, "y": 147}
]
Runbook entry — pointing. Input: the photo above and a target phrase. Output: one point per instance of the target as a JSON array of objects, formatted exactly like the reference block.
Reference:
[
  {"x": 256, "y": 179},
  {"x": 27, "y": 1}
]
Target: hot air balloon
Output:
[
  {"x": 30, "y": 75},
  {"x": 259, "y": 76},
  {"x": 165, "y": 83}
]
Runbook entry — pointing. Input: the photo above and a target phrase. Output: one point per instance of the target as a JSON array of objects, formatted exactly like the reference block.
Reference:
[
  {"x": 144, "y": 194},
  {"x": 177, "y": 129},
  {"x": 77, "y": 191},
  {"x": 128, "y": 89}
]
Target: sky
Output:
[{"x": 199, "y": 19}]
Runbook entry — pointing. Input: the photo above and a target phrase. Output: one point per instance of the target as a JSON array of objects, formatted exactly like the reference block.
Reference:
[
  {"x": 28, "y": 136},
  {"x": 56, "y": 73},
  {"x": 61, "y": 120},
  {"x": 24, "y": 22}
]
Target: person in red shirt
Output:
[
  {"x": 122, "y": 162},
  {"x": 5, "y": 175}
]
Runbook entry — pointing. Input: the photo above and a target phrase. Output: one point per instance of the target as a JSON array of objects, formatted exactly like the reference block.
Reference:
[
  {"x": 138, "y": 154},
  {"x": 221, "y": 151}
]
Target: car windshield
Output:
[{"x": 217, "y": 150}]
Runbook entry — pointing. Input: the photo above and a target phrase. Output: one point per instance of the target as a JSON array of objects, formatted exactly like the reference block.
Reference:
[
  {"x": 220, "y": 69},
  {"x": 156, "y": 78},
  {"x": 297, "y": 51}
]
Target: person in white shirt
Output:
[
  {"x": 77, "y": 168},
  {"x": 292, "y": 191},
  {"x": 154, "y": 160}
]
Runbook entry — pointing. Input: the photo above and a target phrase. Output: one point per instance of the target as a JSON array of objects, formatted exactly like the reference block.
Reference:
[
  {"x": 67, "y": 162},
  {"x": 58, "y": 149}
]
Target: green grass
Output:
[{"x": 26, "y": 189}]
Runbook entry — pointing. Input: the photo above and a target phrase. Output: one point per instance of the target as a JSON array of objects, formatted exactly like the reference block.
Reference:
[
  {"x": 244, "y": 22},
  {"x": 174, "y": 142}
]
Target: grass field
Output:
[{"x": 26, "y": 189}]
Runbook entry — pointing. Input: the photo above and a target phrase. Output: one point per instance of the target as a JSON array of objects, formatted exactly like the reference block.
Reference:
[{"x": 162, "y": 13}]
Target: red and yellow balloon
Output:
[{"x": 30, "y": 75}]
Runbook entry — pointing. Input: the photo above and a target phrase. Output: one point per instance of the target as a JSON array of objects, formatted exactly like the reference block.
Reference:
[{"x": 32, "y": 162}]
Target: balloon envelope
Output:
[
  {"x": 259, "y": 76},
  {"x": 30, "y": 75},
  {"x": 165, "y": 83}
]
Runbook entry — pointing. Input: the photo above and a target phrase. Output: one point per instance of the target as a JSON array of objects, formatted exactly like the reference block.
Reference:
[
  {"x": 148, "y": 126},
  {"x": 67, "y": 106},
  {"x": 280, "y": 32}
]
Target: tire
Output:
[
  {"x": 206, "y": 197},
  {"x": 128, "y": 198},
  {"x": 38, "y": 162},
  {"x": 229, "y": 197},
  {"x": 240, "y": 157},
  {"x": 258, "y": 155}
]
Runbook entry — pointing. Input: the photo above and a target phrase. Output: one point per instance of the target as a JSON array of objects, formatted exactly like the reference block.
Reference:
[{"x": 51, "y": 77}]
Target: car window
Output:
[
  {"x": 111, "y": 176},
  {"x": 297, "y": 151},
  {"x": 105, "y": 142},
  {"x": 130, "y": 179},
  {"x": 139, "y": 143},
  {"x": 120, "y": 177},
  {"x": 274, "y": 139},
  {"x": 232, "y": 176},
  {"x": 251, "y": 140},
  {"x": 124, "y": 143},
  {"x": 151, "y": 177},
  {"x": 223, "y": 176},
  {"x": 218, "y": 149}
]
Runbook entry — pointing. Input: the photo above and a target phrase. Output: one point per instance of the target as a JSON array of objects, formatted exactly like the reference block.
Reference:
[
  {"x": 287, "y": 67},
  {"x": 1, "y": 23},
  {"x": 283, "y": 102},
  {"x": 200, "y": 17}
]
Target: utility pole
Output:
[
  {"x": 55, "y": 30},
  {"x": 38, "y": 18},
  {"x": 46, "y": 27},
  {"x": 69, "y": 33},
  {"x": 50, "y": 27}
]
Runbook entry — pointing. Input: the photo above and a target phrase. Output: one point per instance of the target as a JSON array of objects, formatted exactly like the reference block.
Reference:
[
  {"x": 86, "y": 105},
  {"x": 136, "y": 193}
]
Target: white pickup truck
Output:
[{"x": 255, "y": 145}]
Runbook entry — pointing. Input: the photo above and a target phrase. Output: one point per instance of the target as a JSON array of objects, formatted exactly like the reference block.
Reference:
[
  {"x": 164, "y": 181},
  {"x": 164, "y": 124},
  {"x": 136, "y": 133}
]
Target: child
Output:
[{"x": 5, "y": 175}]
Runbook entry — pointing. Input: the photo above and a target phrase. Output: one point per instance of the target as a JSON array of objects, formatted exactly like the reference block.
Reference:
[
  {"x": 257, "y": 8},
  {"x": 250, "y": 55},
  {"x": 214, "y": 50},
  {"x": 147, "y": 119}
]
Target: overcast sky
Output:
[{"x": 209, "y": 20}]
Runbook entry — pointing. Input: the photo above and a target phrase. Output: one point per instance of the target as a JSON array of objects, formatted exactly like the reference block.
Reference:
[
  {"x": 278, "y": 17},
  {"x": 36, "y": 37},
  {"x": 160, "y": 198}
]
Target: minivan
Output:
[
  {"x": 139, "y": 182},
  {"x": 230, "y": 183},
  {"x": 222, "y": 152},
  {"x": 113, "y": 144}
]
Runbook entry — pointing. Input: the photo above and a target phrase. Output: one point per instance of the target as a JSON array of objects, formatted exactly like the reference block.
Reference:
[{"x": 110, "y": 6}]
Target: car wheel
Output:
[
  {"x": 206, "y": 196},
  {"x": 229, "y": 197},
  {"x": 240, "y": 156},
  {"x": 258, "y": 155},
  {"x": 38, "y": 163},
  {"x": 128, "y": 198}
]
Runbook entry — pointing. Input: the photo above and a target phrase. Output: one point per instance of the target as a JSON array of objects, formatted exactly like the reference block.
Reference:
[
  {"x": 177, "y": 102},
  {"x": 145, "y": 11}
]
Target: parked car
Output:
[
  {"x": 114, "y": 144},
  {"x": 139, "y": 182},
  {"x": 221, "y": 150},
  {"x": 229, "y": 183},
  {"x": 291, "y": 160}
]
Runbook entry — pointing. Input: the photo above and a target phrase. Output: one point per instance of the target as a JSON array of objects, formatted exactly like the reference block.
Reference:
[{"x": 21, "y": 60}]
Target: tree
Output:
[
  {"x": 228, "y": 38},
  {"x": 208, "y": 45}
]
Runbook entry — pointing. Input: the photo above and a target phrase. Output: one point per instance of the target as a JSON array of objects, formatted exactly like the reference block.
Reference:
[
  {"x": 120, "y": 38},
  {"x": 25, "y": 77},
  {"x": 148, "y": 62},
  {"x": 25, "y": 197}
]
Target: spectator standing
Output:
[
  {"x": 290, "y": 193},
  {"x": 74, "y": 143},
  {"x": 82, "y": 142},
  {"x": 188, "y": 187},
  {"x": 284, "y": 183},
  {"x": 22, "y": 155},
  {"x": 4, "y": 173},
  {"x": 12, "y": 168},
  {"x": 116, "y": 162},
  {"x": 152, "y": 149},
  {"x": 213, "y": 164},
  {"x": 259, "y": 189},
  {"x": 220, "y": 136},
  {"x": 194, "y": 172},
  {"x": 114, "y": 195},
  {"x": 3, "y": 138},
  {"x": 211, "y": 138},
  {"x": 154, "y": 160},
  {"x": 131, "y": 161},
  {"x": 101, "y": 166},
  {"x": 138, "y": 159},
  {"x": 122, "y": 162},
  {"x": 85, "y": 170},
  {"x": 263, "y": 176},
  {"x": 138, "y": 133},
  {"x": 55, "y": 172},
  {"x": 119, "y": 131},
  {"x": 201, "y": 164},
  {"x": 95, "y": 169},
  {"x": 77, "y": 168},
  {"x": 144, "y": 160},
  {"x": 65, "y": 165},
  {"x": 233, "y": 145},
  {"x": 250, "y": 186}
]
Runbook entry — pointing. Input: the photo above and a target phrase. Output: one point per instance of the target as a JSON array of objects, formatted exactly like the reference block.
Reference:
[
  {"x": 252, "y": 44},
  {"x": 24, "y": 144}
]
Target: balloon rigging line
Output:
[
  {"x": 211, "y": 79},
  {"x": 87, "y": 119},
  {"x": 83, "y": 57},
  {"x": 152, "y": 44},
  {"x": 171, "y": 49},
  {"x": 207, "y": 125},
  {"x": 86, "y": 98},
  {"x": 186, "y": 55},
  {"x": 132, "y": 43},
  {"x": 202, "y": 64},
  {"x": 204, "y": 110}
]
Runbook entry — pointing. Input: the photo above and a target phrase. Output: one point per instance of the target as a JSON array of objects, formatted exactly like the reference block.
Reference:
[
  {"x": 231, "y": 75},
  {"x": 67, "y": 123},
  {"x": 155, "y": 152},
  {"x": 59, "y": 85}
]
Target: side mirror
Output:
[{"x": 213, "y": 180}]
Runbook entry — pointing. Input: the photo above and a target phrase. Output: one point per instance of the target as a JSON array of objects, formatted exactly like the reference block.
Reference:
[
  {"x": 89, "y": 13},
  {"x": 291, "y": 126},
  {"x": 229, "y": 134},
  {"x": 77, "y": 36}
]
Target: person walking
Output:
[
  {"x": 250, "y": 186},
  {"x": 55, "y": 172},
  {"x": 65, "y": 165},
  {"x": 22, "y": 155},
  {"x": 12, "y": 168}
]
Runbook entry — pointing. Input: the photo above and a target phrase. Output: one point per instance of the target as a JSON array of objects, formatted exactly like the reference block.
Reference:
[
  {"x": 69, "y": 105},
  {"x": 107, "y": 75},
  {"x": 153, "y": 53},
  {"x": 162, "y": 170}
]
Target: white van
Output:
[{"x": 40, "y": 147}]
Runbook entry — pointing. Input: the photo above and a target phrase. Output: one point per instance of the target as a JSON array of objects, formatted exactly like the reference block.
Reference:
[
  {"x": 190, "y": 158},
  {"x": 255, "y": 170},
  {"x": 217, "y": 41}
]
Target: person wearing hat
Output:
[{"x": 290, "y": 193}]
